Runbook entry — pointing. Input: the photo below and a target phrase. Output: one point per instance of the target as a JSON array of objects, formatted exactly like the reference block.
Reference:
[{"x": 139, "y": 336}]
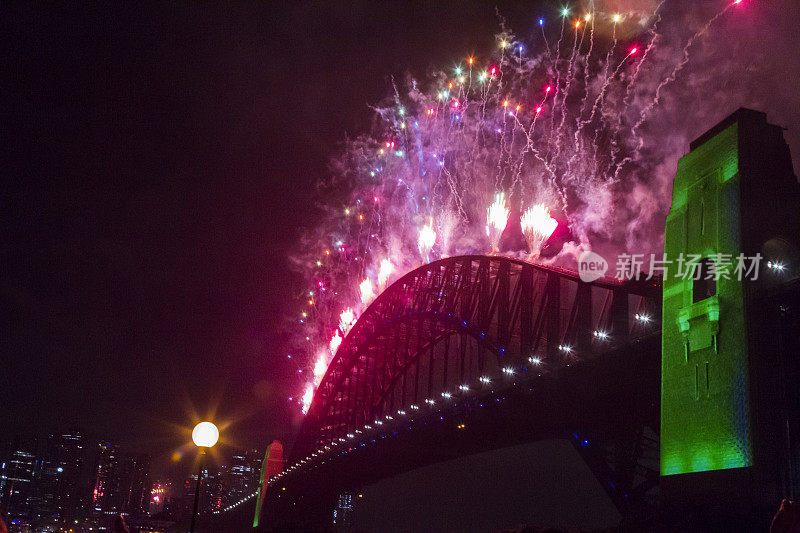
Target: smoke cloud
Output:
[{"x": 589, "y": 122}]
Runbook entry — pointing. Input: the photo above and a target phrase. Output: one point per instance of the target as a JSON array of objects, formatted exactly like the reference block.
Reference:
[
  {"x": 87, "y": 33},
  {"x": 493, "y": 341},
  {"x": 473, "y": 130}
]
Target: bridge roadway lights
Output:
[{"x": 594, "y": 398}]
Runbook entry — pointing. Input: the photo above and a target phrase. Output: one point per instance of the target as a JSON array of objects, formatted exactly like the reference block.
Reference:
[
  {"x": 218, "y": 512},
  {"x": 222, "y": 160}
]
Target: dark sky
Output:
[{"x": 160, "y": 162}]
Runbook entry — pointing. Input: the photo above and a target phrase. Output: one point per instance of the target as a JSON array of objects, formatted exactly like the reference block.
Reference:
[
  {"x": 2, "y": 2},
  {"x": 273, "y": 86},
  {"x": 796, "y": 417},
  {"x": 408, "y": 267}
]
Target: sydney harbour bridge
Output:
[
  {"x": 457, "y": 325},
  {"x": 469, "y": 334},
  {"x": 671, "y": 399}
]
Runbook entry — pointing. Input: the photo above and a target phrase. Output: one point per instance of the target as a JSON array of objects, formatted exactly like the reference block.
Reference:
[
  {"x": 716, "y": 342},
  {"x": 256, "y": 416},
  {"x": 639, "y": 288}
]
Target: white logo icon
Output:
[{"x": 591, "y": 266}]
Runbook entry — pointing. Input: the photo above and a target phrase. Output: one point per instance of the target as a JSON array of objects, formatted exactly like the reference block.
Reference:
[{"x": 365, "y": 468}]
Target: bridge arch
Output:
[{"x": 458, "y": 323}]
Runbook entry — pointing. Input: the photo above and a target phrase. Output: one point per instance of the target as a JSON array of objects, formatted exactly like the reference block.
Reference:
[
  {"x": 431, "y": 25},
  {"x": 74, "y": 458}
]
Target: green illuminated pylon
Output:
[
  {"x": 705, "y": 398},
  {"x": 271, "y": 466},
  {"x": 261, "y": 487}
]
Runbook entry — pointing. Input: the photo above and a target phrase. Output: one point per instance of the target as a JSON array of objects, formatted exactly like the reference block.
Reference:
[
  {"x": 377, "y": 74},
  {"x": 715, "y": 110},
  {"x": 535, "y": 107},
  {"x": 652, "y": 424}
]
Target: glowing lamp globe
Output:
[{"x": 205, "y": 434}]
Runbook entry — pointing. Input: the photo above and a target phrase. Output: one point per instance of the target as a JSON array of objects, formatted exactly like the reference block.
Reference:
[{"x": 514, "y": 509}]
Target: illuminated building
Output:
[
  {"x": 17, "y": 483},
  {"x": 342, "y": 513},
  {"x": 136, "y": 479},
  {"x": 241, "y": 477},
  {"x": 734, "y": 193},
  {"x": 211, "y": 491},
  {"x": 65, "y": 475},
  {"x": 44, "y": 478},
  {"x": 104, "y": 470},
  {"x": 120, "y": 484}
]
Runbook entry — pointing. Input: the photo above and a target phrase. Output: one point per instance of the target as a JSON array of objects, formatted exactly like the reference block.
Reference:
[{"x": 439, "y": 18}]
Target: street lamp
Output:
[{"x": 204, "y": 435}]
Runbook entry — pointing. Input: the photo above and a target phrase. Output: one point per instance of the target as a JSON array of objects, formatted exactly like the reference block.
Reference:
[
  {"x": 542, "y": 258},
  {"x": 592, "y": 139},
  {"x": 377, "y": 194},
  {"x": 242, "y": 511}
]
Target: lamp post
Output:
[{"x": 204, "y": 435}]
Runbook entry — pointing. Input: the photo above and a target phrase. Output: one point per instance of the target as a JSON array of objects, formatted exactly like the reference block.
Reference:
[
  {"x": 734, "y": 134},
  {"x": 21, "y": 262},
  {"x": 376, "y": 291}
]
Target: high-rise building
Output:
[
  {"x": 65, "y": 476},
  {"x": 210, "y": 490},
  {"x": 136, "y": 482},
  {"x": 121, "y": 483},
  {"x": 105, "y": 467},
  {"x": 18, "y": 482},
  {"x": 241, "y": 477},
  {"x": 343, "y": 512},
  {"x": 212, "y": 493},
  {"x": 44, "y": 478}
]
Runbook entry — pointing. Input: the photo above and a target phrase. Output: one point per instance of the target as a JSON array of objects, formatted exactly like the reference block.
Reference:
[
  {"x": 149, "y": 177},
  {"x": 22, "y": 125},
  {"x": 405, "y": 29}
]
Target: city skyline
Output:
[{"x": 70, "y": 479}]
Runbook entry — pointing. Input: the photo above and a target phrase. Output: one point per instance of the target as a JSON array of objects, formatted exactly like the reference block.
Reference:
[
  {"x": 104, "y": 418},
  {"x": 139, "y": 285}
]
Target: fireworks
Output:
[
  {"x": 346, "y": 320},
  {"x": 384, "y": 271},
  {"x": 336, "y": 340},
  {"x": 367, "y": 292},
  {"x": 560, "y": 128},
  {"x": 537, "y": 226},
  {"x": 426, "y": 239},
  {"x": 308, "y": 396},
  {"x": 320, "y": 367},
  {"x": 496, "y": 220}
]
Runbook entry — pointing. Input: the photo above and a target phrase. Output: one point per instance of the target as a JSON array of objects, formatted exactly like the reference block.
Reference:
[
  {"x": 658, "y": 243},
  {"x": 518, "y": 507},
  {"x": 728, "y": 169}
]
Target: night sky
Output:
[{"x": 161, "y": 162}]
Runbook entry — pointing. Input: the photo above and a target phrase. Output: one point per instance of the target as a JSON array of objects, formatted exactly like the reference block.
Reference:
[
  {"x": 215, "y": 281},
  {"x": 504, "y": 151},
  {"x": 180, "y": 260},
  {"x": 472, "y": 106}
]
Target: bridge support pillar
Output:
[{"x": 720, "y": 401}]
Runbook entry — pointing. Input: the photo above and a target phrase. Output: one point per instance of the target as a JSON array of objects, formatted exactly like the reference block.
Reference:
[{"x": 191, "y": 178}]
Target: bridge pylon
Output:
[{"x": 726, "y": 431}]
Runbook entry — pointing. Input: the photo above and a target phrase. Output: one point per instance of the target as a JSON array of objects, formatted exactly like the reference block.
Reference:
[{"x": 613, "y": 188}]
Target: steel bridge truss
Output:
[{"x": 459, "y": 323}]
